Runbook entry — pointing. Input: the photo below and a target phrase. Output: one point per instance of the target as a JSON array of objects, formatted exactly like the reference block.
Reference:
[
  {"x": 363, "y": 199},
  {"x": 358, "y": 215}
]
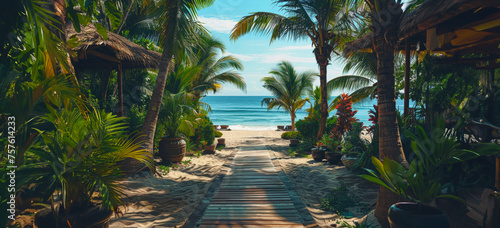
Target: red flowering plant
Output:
[
  {"x": 345, "y": 117},
  {"x": 373, "y": 113}
]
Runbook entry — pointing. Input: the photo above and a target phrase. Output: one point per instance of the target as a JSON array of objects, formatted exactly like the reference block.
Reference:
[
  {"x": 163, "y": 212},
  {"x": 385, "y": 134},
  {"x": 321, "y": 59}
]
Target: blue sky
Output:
[{"x": 254, "y": 50}]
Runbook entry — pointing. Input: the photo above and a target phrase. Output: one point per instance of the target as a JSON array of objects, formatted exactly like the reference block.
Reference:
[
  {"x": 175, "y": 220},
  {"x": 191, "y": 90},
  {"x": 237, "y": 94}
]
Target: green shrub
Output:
[
  {"x": 308, "y": 128},
  {"x": 208, "y": 135},
  {"x": 340, "y": 199},
  {"x": 218, "y": 134},
  {"x": 291, "y": 135}
]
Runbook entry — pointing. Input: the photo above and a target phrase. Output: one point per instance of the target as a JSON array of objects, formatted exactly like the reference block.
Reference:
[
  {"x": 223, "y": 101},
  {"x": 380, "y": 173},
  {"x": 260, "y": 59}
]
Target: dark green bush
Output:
[
  {"x": 291, "y": 135},
  {"x": 308, "y": 128}
]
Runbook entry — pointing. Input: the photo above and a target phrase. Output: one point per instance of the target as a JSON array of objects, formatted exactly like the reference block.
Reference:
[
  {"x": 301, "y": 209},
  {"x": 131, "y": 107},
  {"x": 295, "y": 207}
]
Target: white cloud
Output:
[
  {"x": 276, "y": 58},
  {"x": 289, "y": 48},
  {"x": 218, "y": 25}
]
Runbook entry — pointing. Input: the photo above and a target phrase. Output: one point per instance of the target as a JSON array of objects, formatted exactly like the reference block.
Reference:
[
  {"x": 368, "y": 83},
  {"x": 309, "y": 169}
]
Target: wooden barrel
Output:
[{"x": 172, "y": 149}]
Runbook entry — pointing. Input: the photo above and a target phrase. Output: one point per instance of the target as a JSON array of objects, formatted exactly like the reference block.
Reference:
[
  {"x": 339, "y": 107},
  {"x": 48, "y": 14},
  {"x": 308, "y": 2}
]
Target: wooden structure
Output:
[
  {"x": 453, "y": 28},
  {"x": 115, "y": 52},
  {"x": 251, "y": 195}
]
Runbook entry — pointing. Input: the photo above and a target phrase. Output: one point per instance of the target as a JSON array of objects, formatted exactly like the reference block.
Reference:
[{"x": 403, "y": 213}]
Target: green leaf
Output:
[
  {"x": 114, "y": 15},
  {"x": 451, "y": 197},
  {"x": 102, "y": 31},
  {"x": 73, "y": 16},
  {"x": 376, "y": 181}
]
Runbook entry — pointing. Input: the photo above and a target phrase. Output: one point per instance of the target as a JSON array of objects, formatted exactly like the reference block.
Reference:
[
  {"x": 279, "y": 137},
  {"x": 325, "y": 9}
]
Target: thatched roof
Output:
[
  {"x": 430, "y": 14},
  {"x": 95, "y": 52}
]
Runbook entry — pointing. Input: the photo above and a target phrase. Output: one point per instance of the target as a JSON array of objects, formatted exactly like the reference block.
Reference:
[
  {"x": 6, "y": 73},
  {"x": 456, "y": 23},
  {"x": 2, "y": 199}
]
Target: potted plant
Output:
[
  {"x": 318, "y": 153},
  {"x": 208, "y": 139},
  {"x": 419, "y": 184},
  {"x": 76, "y": 158},
  {"x": 176, "y": 119},
  {"x": 333, "y": 156}
]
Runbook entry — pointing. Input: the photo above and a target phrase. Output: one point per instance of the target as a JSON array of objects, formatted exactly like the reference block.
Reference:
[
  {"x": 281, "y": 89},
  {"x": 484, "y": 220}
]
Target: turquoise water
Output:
[{"x": 246, "y": 112}]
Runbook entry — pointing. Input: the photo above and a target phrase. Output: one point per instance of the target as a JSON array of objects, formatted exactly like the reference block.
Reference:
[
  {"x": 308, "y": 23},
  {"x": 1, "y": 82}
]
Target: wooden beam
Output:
[
  {"x": 120, "y": 90},
  {"x": 103, "y": 56},
  {"x": 471, "y": 45},
  {"x": 407, "y": 80}
]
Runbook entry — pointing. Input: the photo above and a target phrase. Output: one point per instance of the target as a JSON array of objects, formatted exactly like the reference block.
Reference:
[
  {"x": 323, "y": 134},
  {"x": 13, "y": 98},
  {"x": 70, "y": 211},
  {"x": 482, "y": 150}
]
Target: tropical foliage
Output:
[
  {"x": 325, "y": 23},
  {"x": 288, "y": 88}
]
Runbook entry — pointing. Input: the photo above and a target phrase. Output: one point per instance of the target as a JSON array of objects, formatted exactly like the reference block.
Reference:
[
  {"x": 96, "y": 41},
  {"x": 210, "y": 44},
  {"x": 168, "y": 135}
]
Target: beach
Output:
[{"x": 168, "y": 200}]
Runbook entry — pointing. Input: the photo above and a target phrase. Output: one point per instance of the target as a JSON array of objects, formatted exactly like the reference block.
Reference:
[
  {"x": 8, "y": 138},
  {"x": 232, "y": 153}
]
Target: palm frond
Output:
[{"x": 348, "y": 82}]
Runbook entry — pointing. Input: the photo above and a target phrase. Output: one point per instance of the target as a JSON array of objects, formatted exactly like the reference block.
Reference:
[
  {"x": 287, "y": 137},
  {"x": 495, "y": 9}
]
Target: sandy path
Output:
[{"x": 169, "y": 200}]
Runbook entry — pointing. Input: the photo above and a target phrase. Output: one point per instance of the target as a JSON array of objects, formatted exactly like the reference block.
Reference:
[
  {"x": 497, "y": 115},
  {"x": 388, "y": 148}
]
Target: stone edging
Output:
[
  {"x": 304, "y": 214},
  {"x": 195, "y": 218}
]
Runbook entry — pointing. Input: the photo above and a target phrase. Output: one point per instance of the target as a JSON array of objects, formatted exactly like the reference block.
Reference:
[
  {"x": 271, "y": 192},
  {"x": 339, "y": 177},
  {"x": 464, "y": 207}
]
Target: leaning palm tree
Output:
[
  {"x": 288, "y": 88},
  {"x": 325, "y": 22},
  {"x": 179, "y": 33},
  {"x": 215, "y": 71}
]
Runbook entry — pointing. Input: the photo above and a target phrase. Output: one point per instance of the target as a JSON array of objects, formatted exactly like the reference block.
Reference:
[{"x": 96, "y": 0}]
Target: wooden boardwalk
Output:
[{"x": 251, "y": 195}]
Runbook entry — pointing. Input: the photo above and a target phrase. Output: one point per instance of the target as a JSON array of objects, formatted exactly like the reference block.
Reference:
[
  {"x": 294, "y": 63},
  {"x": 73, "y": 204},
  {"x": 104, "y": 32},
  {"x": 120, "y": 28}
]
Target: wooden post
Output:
[
  {"x": 497, "y": 173},
  {"x": 407, "y": 80},
  {"x": 120, "y": 89}
]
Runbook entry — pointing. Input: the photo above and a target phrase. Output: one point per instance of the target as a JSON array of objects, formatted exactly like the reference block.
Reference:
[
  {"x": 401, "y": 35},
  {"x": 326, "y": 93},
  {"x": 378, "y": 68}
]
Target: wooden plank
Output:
[
  {"x": 247, "y": 222},
  {"x": 251, "y": 206},
  {"x": 251, "y": 218},
  {"x": 251, "y": 226},
  {"x": 244, "y": 211}
]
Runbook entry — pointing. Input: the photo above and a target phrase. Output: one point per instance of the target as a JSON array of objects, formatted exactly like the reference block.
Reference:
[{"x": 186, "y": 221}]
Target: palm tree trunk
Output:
[
  {"x": 292, "y": 113},
  {"x": 389, "y": 140},
  {"x": 149, "y": 126},
  {"x": 324, "y": 100}
]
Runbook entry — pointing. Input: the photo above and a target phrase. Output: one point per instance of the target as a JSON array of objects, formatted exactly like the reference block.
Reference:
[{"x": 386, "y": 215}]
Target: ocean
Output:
[{"x": 246, "y": 112}]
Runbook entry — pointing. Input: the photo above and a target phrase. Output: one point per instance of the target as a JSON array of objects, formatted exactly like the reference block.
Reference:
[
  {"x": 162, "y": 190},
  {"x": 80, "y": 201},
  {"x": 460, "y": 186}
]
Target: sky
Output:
[{"x": 254, "y": 50}]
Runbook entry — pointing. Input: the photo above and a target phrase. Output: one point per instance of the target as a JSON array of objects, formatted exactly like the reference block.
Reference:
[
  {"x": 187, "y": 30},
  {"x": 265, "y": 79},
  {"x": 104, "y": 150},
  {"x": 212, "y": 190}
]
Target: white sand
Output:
[{"x": 169, "y": 200}]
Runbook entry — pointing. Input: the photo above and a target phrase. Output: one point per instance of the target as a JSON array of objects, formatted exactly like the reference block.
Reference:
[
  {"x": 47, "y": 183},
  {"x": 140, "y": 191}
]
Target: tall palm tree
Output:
[
  {"x": 325, "y": 22},
  {"x": 288, "y": 88},
  {"x": 179, "y": 33},
  {"x": 385, "y": 17}
]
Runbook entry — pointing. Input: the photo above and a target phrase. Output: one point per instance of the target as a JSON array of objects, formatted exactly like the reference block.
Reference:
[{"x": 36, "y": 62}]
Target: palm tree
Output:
[
  {"x": 215, "y": 71},
  {"x": 385, "y": 16},
  {"x": 288, "y": 88},
  {"x": 179, "y": 33},
  {"x": 365, "y": 85},
  {"x": 325, "y": 22}
]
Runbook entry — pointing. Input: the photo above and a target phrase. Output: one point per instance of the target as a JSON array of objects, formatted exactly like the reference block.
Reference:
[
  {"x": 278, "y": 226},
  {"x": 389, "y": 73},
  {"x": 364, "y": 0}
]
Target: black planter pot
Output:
[
  {"x": 318, "y": 154},
  {"x": 333, "y": 157},
  {"x": 408, "y": 215}
]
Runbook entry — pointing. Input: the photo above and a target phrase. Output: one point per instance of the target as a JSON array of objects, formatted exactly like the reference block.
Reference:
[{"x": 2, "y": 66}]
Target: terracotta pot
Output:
[
  {"x": 318, "y": 154},
  {"x": 333, "y": 157},
  {"x": 172, "y": 149},
  {"x": 94, "y": 217},
  {"x": 294, "y": 142},
  {"x": 209, "y": 149},
  {"x": 221, "y": 142},
  {"x": 408, "y": 215},
  {"x": 348, "y": 161}
]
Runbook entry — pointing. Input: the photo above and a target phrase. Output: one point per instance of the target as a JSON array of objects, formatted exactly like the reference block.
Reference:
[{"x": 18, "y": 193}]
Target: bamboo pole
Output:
[
  {"x": 497, "y": 173},
  {"x": 407, "y": 80},
  {"x": 120, "y": 89}
]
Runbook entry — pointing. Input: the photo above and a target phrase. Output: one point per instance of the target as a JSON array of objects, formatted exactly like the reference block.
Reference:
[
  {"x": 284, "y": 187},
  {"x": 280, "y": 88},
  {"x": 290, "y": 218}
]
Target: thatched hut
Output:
[
  {"x": 115, "y": 52},
  {"x": 451, "y": 27}
]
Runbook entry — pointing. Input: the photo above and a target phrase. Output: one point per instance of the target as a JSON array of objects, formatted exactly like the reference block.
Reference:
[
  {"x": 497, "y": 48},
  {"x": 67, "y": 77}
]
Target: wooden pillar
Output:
[
  {"x": 497, "y": 173},
  {"x": 120, "y": 89},
  {"x": 407, "y": 80}
]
